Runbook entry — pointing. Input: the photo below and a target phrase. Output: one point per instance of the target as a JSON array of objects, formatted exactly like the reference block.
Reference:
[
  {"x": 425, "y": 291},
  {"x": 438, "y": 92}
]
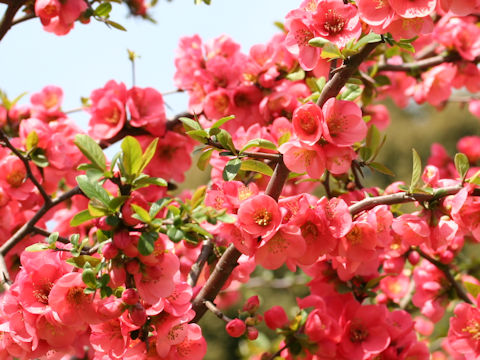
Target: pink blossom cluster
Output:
[{"x": 47, "y": 311}]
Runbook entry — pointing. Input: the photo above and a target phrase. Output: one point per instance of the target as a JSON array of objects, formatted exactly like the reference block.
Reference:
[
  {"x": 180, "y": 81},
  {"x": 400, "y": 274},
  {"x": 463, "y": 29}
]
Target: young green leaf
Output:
[
  {"x": 32, "y": 140},
  {"x": 331, "y": 51},
  {"x": 231, "y": 169},
  {"x": 132, "y": 155},
  {"x": 318, "y": 42},
  {"x": 462, "y": 165},
  {"x": 222, "y": 121},
  {"x": 81, "y": 217},
  {"x": 103, "y": 10},
  {"x": 142, "y": 213},
  {"x": 190, "y": 124},
  {"x": 146, "y": 243},
  {"x": 93, "y": 190},
  {"x": 225, "y": 139},
  {"x": 91, "y": 150},
  {"x": 257, "y": 166},
  {"x": 148, "y": 154},
  {"x": 416, "y": 171},
  {"x": 204, "y": 159},
  {"x": 261, "y": 143}
]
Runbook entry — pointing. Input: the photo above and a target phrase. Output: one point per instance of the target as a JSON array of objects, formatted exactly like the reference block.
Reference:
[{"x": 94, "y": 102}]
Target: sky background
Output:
[{"x": 90, "y": 55}]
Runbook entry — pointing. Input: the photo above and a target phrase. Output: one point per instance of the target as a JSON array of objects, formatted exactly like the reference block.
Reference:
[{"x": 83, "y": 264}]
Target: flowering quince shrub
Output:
[{"x": 99, "y": 260}]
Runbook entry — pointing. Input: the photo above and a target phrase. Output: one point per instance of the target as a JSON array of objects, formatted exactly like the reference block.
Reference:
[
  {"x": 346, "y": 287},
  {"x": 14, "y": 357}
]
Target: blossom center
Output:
[
  {"x": 358, "y": 334},
  {"x": 334, "y": 23},
  {"x": 303, "y": 36},
  {"x": 473, "y": 328},
  {"x": 42, "y": 292},
  {"x": 308, "y": 124},
  {"x": 15, "y": 178},
  {"x": 76, "y": 295},
  {"x": 262, "y": 217}
]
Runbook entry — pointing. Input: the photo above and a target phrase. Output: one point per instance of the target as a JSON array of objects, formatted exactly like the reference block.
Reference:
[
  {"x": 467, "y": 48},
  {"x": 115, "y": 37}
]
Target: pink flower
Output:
[
  {"x": 107, "y": 110},
  {"x": 464, "y": 332},
  {"x": 46, "y": 104},
  {"x": 343, "y": 124},
  {"x": 147, "y": 109},
  {"x": 437, "y": 84},
  {"x": 413, "y": 8},
  {"x": 307, "y": 123},
  {"x": 59, "y": 20},
  {"x": 69, "y": 303},
  {"x": 337, "y": 21},
  {"x": 375, "y": 12},
  {"x": 302, "y": 159},
  {"x": 470, "y": 146},
  {"x": 413, "y": 229},
  {"x": 259, "y": 215}
]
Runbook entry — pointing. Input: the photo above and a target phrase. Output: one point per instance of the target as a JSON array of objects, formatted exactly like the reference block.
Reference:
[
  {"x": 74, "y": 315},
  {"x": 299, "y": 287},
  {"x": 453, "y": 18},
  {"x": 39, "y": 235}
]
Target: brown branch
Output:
[
  {"x": 218, "y": 313},
  {"x": 23, "y": 18},
  {"x": 9, "y": 15},
  {"x": 404, "y": 197},
  {"x": 422, "y": 64},
  {"x": 254, "y": 155},
  {"x": 356, "y": 174},
  {"x": 340, "y": 78},
  {"x": 197, "y": 268},
  {"x": 5, "y": 281},
  {"x": 445, "y": 269},
  {"x": 27, "y": 228},
  {"x": 228, "y": 261},
  {"x": 46, "y": 233},
  {"x": 26, "y": 163}
]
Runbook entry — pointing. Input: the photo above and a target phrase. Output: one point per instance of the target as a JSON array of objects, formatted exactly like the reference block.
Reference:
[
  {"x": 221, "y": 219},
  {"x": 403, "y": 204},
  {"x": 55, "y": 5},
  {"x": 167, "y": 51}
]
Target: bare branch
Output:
[
  {"x": 197, "y": 268},
  {"x": 211, "y": 306},
  {"x": 9, "y": 15},
  {"x": 422, "y": 64},
  {"x": 28, "y": 168}
]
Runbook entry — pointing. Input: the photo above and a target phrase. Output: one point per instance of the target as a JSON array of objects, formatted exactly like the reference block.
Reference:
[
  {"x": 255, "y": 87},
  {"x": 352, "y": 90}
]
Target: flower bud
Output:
[
  {"x": 252, "y": 304},
  {"x": 109, "y": 251},
  {"x": 130, "y": 296},
  {"x": 138, "y": 315},
  {"x": 276, "y": 317},
  {"x": 252, "y": 333},
  {"x": 236, "y": 328},
  {"x": 121, "y": 239}
]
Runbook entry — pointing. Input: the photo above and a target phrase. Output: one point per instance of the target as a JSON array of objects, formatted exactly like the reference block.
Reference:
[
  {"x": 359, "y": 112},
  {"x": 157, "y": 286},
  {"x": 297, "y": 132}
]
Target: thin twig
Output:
[
  {"x": 404, "y": 197},
  {"x": 218, "y": 313},
  {"x": 72, "y": 111},
  {"x": 171, "y": 92},
  {"x": 27, "y": 228},
  {"x": 356, "y": 175},
  {"x": 23, "y": 18},
  {"x": 4, "y": 273},
  {"x": 26, "y": 163},
  {"x": 46, "y": 233},
  {"x": 279, "y": 351},
  {"x": 445, "y": 269},
  {"x": 422, "y": 64},
  {"x": 197, "y": 268}
]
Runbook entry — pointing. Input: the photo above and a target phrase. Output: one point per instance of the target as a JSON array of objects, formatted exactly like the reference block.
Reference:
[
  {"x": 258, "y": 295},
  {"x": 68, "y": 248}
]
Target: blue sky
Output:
[{"x": 90, "y": 55}]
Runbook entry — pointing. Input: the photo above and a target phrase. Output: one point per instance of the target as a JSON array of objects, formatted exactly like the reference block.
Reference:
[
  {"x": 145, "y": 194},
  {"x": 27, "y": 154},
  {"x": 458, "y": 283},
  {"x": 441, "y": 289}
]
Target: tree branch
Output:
[
  {"x": 404, "y": 197},
  {"x": 228, "y": 261},
  {"x": 218, "y": 313},
  {"x": 422, "y": 64},
  {"x": 27, "y": 228},
  {"x": 445, "y": 269},
  {"x": 344, "y": 72},
  {"x": 10, "y": 13},
  {"x": 196, "y": 269},
  {"x": 23, "y": 18},
  {"x": 26, "y": 163}
]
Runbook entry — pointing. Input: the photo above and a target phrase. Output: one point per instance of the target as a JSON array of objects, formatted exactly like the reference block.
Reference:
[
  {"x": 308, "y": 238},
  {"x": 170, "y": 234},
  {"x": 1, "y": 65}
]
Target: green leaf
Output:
[
  {"x": 257, "y": 166},
  {"x": 199, "y": 135},
  {"x": 37, "y": 247},
  {"x": 381, "y": 168},
  {"x": 406, "y": 46},
  {"x": 157, "y": 206},
  {"x": 204, "y": 159},
  {"x": 148, "y": 154},
  {"x": 190, "y": 124},
  {"x": 89, "y": 278},
  {"x": 103, "y": 10},
  {"x": 296, "y": 75},
  {"x": 462, "y": 165},
  {"x": 132, "y": 155},
  {"x": 198, "y": 196},
  {"x": 318, "y": 42},
  {"x": 93, "y": 190},
  {"x": 97, "y": 209},
  {"x": 115, "y": 25},
  {"x": 373, "y": 138},
  {"x": 473, "y": 289},
  {"x": 369, "y": 38},
  {"x": 475, "y": 179},
  {"x": 146, "y": 243},
  {"x": 226, "y": 218},
  {"x": 80, "y": 261},
  {"x": 81, "y": 217},
  {"x": 416, "y": 171},
  {"x": 174, "y": 234},
  {"x": 91, "y": 150},
  {"x": 32, "y": 140},
  {"x": 116, "y": 202},
  {"x": 38, "y": 157},
  {"x": 142, "y": 213},
  {"x": 331, "y": 51},
  {"x": 284, "y": 138},
  {"x": 146, "y": 181},
  {"x": 225, "y": 139},
  {"x": 261, "y": 143},
  {"x": 351, "y": 93},
  {"x": 222, "y": 121},
  {"x": 52, "y": 239},
  {"x": 231, "y": 169}
]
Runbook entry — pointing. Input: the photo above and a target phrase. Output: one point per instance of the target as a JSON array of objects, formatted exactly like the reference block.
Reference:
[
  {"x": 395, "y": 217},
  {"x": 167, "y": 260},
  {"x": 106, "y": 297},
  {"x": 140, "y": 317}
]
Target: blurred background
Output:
[{"x": 91, "y": 55}]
